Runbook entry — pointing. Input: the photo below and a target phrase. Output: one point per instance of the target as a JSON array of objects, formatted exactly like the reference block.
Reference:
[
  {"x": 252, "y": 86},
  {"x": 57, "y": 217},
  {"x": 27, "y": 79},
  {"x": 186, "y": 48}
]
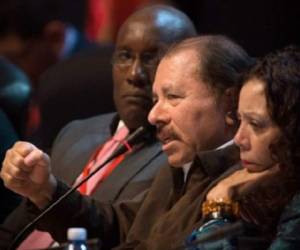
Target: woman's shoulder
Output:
[{"x": 288, "y": 229}]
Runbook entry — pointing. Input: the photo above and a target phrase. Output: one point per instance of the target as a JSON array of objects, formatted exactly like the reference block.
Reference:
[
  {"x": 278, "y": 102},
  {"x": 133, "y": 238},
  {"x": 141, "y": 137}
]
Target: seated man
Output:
[
  {"x": 35, "y": 35},
  {"x": 145, "y": 35},
  {"x": 268, "y": 179},
  {"x": 192, "y": 102}
]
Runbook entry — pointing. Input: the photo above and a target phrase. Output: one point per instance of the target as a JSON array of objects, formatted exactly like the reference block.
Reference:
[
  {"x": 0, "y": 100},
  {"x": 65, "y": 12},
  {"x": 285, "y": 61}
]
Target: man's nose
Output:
[
  {"x": 158, "y": 114},
  {"x": 137, "y": 74}
]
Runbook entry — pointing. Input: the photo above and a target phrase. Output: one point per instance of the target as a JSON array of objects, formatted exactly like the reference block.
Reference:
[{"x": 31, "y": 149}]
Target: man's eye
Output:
[
  {"x": 122, "y": 56},
  {"x": 172, "y": 96},
  {"x": 150, "y": 59}
]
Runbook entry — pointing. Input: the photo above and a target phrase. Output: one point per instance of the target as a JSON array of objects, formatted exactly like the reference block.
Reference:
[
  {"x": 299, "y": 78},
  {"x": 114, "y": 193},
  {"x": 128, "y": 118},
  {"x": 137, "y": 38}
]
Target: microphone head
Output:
[{"x": 143, "y": 133}]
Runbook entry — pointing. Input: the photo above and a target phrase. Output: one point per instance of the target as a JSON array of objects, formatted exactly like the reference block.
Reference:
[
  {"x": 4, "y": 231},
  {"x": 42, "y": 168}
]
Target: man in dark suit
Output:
[
  {"x": 193, "y": 100},
  {"x": 141, "y": 40},
  {"x": 35, "y": 35}
]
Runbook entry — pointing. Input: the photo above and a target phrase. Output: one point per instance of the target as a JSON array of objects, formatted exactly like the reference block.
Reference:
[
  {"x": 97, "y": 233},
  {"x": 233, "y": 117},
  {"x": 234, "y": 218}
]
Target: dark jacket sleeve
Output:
[
  {"x": 107, "y": 222},
  {"x": 288, "y": 236}
]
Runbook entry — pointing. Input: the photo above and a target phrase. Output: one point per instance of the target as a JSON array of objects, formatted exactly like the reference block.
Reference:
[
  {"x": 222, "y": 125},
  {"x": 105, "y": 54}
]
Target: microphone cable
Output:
[{"x": 134, "y": 138}]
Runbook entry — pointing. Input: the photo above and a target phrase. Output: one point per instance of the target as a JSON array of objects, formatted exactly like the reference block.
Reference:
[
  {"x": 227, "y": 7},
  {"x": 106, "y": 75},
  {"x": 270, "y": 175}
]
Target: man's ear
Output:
[
  {"x": 54, "y": 33},
  {"x": 230, "y": 106}
]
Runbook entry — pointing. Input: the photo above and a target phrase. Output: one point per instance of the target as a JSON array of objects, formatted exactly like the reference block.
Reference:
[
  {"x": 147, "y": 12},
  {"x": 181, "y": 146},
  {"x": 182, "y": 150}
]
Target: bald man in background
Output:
[
  {"x": 193, "y": 96},
  {"x": 141, "y": 40}
]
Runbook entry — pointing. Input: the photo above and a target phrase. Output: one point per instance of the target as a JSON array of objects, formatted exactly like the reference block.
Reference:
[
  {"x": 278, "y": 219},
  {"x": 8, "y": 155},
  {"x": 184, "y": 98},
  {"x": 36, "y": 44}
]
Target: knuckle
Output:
[
  {"x": 18, "y": 144},
  {"x": 8, "y": 153},
  {"x": 18, "y": 161},
  {"x": 7, "y": 180},
  {"x": 17, "y": 173},
  {"x": 39, "y": 154}
]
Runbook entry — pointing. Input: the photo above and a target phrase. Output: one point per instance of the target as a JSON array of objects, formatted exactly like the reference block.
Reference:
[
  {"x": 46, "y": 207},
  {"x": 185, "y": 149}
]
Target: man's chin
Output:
[
  {"x": 135, "y": 118},
  {"x": 179, "y": 157},
  {"x": 177, "y": 162}
]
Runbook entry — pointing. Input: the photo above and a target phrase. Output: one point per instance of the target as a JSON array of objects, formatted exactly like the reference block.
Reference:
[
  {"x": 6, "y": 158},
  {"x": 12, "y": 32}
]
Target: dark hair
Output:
[
  {"x": 280, "y": 73},
  {"x": 27, "y": 18},
  {"x": 221, "y": 61}
]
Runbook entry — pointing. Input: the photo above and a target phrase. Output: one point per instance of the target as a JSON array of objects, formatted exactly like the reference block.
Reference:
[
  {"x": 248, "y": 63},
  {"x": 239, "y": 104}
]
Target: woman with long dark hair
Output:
[{"x": 264, "y": 191}]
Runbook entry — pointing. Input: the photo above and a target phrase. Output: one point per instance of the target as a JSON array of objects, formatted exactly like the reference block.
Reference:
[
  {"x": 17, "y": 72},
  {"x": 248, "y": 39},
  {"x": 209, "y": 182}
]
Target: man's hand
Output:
[
  {"x": 26, "y": 171},
  {"x": 243, "y": 182}
]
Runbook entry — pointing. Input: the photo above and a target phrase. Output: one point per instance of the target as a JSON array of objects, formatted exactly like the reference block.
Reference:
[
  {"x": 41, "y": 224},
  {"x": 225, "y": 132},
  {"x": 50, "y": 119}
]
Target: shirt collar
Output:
[
  {"x": 121, "y": 124},
  {"x": 215, "y": 162},
  {"x": 186, "y": 168},
  {"x": 208, "y": 160}
]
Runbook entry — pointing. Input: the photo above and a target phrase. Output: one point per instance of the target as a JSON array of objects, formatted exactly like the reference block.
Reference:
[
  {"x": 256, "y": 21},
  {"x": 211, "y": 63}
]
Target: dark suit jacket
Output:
[
  {"x": 75, "y": 145},
  {"x": 169, "y": 212},
  {"x": 72, "y": 149},
  {"x": 288, "y": 237}
]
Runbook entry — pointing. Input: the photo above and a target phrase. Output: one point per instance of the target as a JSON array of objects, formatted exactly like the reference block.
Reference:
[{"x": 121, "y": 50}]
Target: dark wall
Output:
[{"x": 260, "y": 26}]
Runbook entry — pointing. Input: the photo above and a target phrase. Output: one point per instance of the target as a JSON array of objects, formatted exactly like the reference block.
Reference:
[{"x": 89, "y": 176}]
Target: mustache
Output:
[{"x": 164, "y": 134}]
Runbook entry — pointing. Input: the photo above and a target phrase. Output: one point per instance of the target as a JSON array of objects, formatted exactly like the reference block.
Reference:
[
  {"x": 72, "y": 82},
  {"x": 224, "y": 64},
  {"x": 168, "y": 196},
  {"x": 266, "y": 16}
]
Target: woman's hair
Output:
[{"x": 280, "y": 73}]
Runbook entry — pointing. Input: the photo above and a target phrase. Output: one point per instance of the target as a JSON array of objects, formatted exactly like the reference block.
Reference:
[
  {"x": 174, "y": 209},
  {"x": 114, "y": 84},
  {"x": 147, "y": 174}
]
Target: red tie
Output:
[
  {"x": 100, "y": 156},
  {"x": 38, "y": 239}
]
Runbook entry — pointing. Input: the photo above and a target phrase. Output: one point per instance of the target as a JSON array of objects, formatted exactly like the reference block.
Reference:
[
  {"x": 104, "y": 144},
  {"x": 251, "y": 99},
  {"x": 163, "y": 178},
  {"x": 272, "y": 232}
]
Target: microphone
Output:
[{"x": 138, "y": 136}]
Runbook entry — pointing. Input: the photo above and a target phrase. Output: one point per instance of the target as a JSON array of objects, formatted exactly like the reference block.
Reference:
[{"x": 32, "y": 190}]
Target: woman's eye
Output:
[{"x": 256, "y": 125}]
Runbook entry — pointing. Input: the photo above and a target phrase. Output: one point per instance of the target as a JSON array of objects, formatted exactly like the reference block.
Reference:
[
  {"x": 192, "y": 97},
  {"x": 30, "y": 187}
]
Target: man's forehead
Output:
[
  {"x": 162, "y": 83},
  {"x": 138, "y": 30}
]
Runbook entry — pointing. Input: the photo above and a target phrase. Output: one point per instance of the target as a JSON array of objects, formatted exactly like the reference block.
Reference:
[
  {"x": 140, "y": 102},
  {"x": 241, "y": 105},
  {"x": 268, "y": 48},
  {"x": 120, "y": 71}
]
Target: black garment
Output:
[
  {"x": 73, "y": 148},
  {"x": 169, "y": 212},
  {"x": 8, "y": 137}
]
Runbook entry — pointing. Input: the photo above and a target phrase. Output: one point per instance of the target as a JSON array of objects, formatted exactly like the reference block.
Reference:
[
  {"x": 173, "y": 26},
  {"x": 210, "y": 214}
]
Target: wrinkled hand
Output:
[
  {"x": 243, "y": 182},
  {"x": 26, "y": 170}
]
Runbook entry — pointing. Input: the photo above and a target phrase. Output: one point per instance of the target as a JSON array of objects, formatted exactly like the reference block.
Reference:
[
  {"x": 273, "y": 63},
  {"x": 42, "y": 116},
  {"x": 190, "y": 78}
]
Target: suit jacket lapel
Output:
[
  {"x": 126, "y": 171},
  {"x": 218, "y": 166}
]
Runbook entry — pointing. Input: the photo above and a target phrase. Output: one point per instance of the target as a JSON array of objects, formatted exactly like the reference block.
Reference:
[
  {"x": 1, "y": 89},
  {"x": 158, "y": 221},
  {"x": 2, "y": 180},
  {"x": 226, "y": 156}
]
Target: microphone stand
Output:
[{"x": 134, "y": 138}]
